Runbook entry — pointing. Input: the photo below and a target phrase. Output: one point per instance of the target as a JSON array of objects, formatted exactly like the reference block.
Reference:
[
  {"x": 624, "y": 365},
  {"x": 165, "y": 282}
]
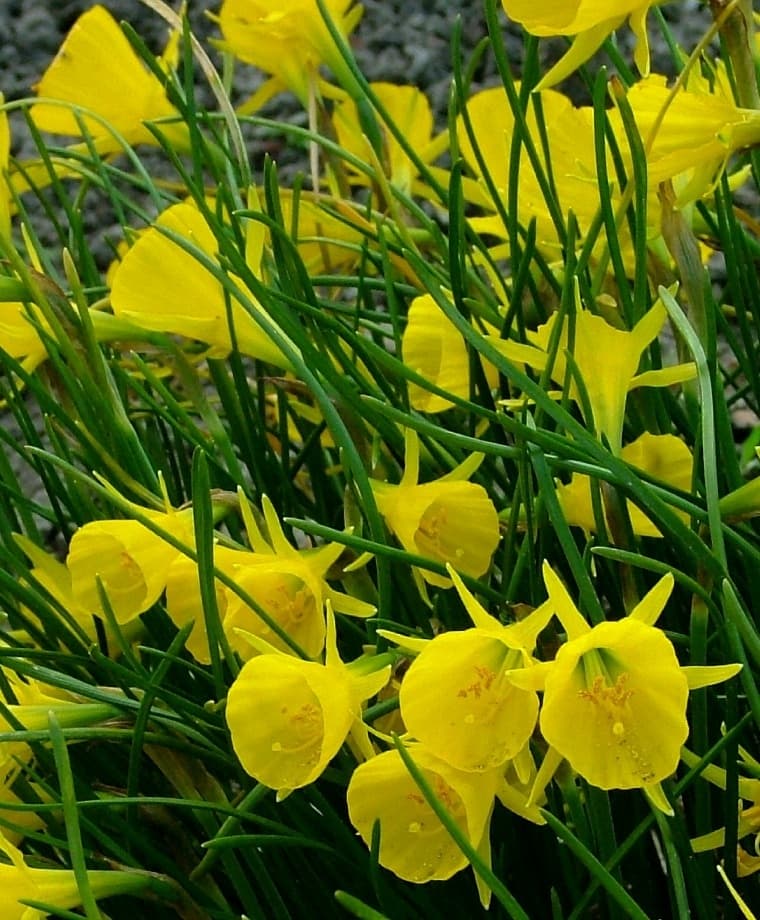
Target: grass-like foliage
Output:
[{"x": 381, "y": 540}]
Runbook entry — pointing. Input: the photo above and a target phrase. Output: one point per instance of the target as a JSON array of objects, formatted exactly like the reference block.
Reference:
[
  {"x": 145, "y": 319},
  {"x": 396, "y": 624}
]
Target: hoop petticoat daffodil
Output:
[
  {"x": 606, "y": 358},
  {"x": 589, "y": 21},
  {"x": 131, "y": 561},
  {"x": 448, "y": 520},
  {"x": 289, "y": 584},
  {"x": 97, "y": 69},
  {"x": 456, "y": 697},
  {"x": 433, "y": 347},
  {"x": 749, "y": 816},
  {"x": 621, "y": 681},
  {"x": 289, "y": 717},
  {"x": 57, "y": 887},
  {"x": 689, "y": 133},
  {"x": 414, "y": 844},
  {"x": 161, "y": 285},
  {"x": 661, "y": 456},
  {"x": 409, "y": 110},
  {"x": 287, "y": 39}
]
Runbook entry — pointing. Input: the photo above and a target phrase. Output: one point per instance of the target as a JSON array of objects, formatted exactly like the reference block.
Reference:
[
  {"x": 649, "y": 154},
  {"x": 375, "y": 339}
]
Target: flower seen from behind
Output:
[
  {"x": 183, "y": 296},
  {"x": 288, "y": 39},
  {"x": 97, "y": 69},
  {"x": 588, "y": 21}
]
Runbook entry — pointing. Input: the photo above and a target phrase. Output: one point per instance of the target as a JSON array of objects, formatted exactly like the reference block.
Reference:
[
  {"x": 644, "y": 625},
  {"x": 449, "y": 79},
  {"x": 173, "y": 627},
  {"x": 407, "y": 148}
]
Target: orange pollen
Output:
[
  {"x": 602, "y": 694},
  {"x": 486, "y": 677}
]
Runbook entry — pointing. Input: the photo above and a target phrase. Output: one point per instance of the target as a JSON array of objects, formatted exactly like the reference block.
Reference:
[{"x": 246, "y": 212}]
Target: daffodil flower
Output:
[
  {"x": 130, "y": 560},
  {"x": 434, "y": 348},
  {"x": 57, "y": 887},
  {"x": 55, "y": 578},
  {"x": 97, "y": 69},
  {"x": 289, "y": 717},
  {"x": 589, "y": 21},
  {"x": 615, "y": 696},
  {"x": 288, "y": 40},
  {"x": 183, "y": 297},
  {"x": 414, "y": 844},
  {"x": 457, "y": 697},
  {"x": 409, "y": 109},
  {"x": 689, "y": 133},
  {"x": 749, "y": 816},
  {"x": 448, "y": 520},
  {"x": 606, "y": 358},
  {"x": 661, "y": 456},
  {"x": 289, "y": 585}
]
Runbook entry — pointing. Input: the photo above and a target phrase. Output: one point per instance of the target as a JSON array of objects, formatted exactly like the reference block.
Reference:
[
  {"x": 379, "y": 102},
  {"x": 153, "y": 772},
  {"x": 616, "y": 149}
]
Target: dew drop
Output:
[
  {"x": 618, "y": 729},
  {"x": 415, "y": 827},
  {"x": 469, "y": 718},
  {"x": 459, "y": 552},
  {"x": 276, "y": 746}
]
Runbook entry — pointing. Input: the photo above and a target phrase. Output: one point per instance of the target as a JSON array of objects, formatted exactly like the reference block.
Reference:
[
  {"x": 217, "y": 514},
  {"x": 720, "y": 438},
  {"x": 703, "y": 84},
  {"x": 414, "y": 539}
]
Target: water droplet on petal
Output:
[
  {"x": 276, "y": 746},
  {"x": 469, "y": 718},
  {"x": 415, "y": 827},
  {"x": 618, "y": 729},
  {"x": 459, "y": 552}
]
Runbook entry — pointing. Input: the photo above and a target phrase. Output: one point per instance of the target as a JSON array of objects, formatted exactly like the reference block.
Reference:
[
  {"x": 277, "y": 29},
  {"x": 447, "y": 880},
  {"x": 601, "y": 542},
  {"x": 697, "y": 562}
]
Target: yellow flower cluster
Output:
[{"x": 479, "y": 424}]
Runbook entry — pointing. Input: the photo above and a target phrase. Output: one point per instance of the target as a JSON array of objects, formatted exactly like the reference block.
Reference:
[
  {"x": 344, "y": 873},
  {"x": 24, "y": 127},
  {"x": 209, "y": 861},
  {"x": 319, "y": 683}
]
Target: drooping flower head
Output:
[
  {"x": 589, "y": 21},
  {"x": 130, "y": 560},
  {"x": 434, "y": 348},
  {"x": 288, "y": 717},
  {"x": 448, "y": 520},
  {"x": 661, "y": 456},
  {"x": 414, "y": 844},
  {"x": 57, "y": 887},
  {"x": 97, "y": 69},
  {"x": 409, "y": 109},
  {"x": 183, "y": 296},
  {"x": 287, "y": 39}
]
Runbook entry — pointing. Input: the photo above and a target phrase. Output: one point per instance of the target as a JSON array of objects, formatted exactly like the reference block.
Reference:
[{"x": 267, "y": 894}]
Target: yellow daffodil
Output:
[
  {"x": 414, "y": 844},
  {"x": 663, "y": 457},
  {"x": 288, "y": 717},
  {"x": 607, "y": 360},
  {"x": 130, "y": 560},
  {"x": 457, "y": 698},
  {"x": 448, "y": 520},
  {"x": 55, "y": 578},
  {"x": 97, "y": 70},
  {"x": 183, "y": 297},
  {"x": 621, "y": 681},
  {"x": 589, "y": 21},
  {"x": 433, "y": 347},
  {"x": 57, "y": 887},
  {"x": 690, "y": 133},
  {"x": 749, "y": 816},
  {"x": 571, "y": 154},
  {"x": 288, "y": 584},
  {"x": 408, "y": 108},
  {"x": 287, "y": 39}
]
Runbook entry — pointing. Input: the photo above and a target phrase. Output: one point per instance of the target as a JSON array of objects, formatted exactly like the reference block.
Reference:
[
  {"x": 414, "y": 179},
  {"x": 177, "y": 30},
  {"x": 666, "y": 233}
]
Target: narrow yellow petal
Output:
[{"x": 698, "y": 676}]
